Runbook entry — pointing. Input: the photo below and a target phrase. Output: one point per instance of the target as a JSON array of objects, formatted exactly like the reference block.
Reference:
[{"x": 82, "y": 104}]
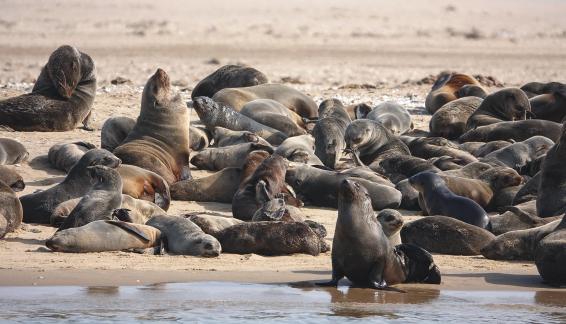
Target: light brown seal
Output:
[
  {"x": 445, "y": 89},
  {"x": 12, "y": 152}
]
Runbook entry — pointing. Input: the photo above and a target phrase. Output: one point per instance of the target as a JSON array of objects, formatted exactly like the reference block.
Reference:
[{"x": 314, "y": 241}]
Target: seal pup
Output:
[
  {"x": 391, "y": 222},
  {"x": 431, "y": 147},
  {"x": 329, "y": 131},
  {"x": 212, "y": 224},
  {"x": 446, "y": 235},
  {"x": 320, "y": 187},
  {"x": 550, "y": 106},
  {"x": 181, "y": 236},
  {"x": 550, "y": 256},
  {"x": 445, "y": 89},
  {"x": 159, "y": 142},
  {"x": 234, "y": 156},
  {"x": 391, "y": 115},
  {"x": 199, "y": 138},
  {"x": 64, "y": 155},
  {"x": 517, "y": 131},
  {"x": 362, "y": 252},
  {"x": 509, "y": 104},
  {"x": 105, "y": 235},
  {"x": 299, "y": 149},
  {"x": 12, "y": 152},
  {"x": 39, "y": 206},
  {"x": 518, "y": 245},
  {"x": 520, "y": 155},
  {"x": 143, "y": 184},
  {"x": 551, "y": 199},
  {"x": 11, "y": 213},
  {"x": 481, "y": 149},
  {"x": 218, "y": 187},
  {"x": 114, "y": 131},
  {"x": 533, "y": 89},
  {"x": 225, "y": 137},
  {"x": 273, "y": 114},
  {"x": 100, "y": 201},
  {"x": 293, "y": 99},
  {"x": 12, "y": 178},
  {"x": 439, "y": 200},
  {"x": 214, "y": 114},
  {"x": 228, "y": 76},
  {"x": 520, "y": 217},
  {"x": 272, "y": 238},
  {"x": 470, "y": 90},
  {"x": 61, "y": 98},
  {"x": 450, "y": 120}
]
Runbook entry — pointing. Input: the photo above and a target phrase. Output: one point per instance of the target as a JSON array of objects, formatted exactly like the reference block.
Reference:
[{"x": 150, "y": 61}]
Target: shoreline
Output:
[{"x": 451, "y": 281}]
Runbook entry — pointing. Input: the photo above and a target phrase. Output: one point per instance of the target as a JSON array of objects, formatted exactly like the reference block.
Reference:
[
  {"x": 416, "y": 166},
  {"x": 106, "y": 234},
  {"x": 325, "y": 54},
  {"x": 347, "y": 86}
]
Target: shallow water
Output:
[{"x": 236, "y": 302}]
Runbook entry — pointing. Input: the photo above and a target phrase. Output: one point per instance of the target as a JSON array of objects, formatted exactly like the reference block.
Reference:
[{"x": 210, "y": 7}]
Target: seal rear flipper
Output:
[{"x": 130, "y": 228}]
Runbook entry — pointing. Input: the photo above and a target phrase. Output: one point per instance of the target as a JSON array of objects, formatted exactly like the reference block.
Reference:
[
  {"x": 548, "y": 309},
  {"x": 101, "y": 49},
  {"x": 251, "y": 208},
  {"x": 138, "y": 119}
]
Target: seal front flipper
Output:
[
  {"x": 131, "y": 228},
  {"x": 186, "y": 173},
  {"x": 336, "y": 276}
]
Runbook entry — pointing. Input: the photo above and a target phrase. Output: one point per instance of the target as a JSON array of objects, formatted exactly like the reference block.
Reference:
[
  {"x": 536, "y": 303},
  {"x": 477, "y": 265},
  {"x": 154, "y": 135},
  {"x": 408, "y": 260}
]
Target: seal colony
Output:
[{"x": 486, "y": 173}]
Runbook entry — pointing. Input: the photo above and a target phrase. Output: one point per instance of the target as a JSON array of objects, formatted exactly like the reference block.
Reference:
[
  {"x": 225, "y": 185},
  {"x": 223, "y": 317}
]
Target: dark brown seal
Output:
[
  {"x": 61, "y": 98},
  {"x": 508, "y": 104},
  {"x": 114, "y": 131},
  {"x": 450, "y": 120},
  {"x": 446, "y": 235},
  {"x": 329, "y": 131},
  {"x": 445, "y": 89},
  {"x": 516, "y": 131},
  {"x": 159, "y": 141},
  {"x": 228, "y": 76},
  {"x": 550, "y": 256},
  {"x": 550, "y": 106},
  {"x": 551, "y": 199},
  {"x": 39, "y": 206}
]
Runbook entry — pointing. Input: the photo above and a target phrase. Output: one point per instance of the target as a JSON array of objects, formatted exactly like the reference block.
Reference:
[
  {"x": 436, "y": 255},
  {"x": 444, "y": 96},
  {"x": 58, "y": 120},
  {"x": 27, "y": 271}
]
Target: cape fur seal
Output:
[
  {"x": 272, "y": 238},
  {"x": 550, "y": 256},
  {"x": 12, "y": 178},
  {"x": 114, "y": 131},
  {"x": 39, "y": 206},
  {"x": 159, "y": 142},
  {"x": 439, "y": 200},
  {"x": 446, "y": 235},
  {"x": 226, "y": 137},
  {"x": 551, "y": 199},
  {"x": 520, "y": 155},
  {"x": 61, "y": 98},
  {"x": 293, "y": 99},
  {"x": 508, "y": 104},
  {"x": 277, "y": 210},
  {"x": 391, "y": 223},
  {"x": 431, "y": 147},
  {"x": 533, "y": 89},
  {"x": 12, "y": 152},
  {"x": 450, "y": 120},
  {"x": 100, "y": 201},
  {"x": 391, "y": 115},
  {"x": 11, "y": 213},
  {"x": 212, "y": 224},
  {"x": 143, "y": 184},
  {"x": 218, "y": 187},
  {"x": 105, "y": 235},
  {"x": 445, "y": 89},
  {"x": 63, "y": 156},
  {"x": 299, "y": 149},
  {"x": 362, "y": 252},
  {"x": 214, "y": 114},
  {"x": 181, "y": 236},
  {"x": 273, "y": 114},
  {"x": 513, "y": 130},
  {"x": 520, "y": 217},
  {"x": 518, "y": 245},
  {"x": 228, "y": 76},
  {"x": 233, "y": 156},
  {"x": 329, "y": 131}
]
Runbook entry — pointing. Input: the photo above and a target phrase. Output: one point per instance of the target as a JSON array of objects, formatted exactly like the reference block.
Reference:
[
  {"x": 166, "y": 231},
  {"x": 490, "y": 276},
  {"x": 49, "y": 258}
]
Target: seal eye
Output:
[{"x": 389, "y": 219}]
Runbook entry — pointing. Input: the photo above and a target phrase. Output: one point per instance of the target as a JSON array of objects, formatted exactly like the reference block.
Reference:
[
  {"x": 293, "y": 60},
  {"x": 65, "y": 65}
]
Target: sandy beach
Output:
[{"x": 360, "y": 51}]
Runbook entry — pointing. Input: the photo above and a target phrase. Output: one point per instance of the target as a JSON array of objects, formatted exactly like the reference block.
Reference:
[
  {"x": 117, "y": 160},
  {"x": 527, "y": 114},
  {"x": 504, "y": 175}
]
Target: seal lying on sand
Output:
[
  {"x": 228, "y": 76},
  {"x": 159, "y": 141},
  {"x": 273, "y": 114},
  {"x": 214, "y": 114},
  {"x": 446, "y": 235},
  {"x": 39, "y": 206},
  {"x": 218, "y": 187},
  {"x": 362, "y": 253},
  {"x": 226, "y": 137},
  {"x": 63, "y": 156},
  {"x": 181, "y": 236},
  {"x": 233, "y": 156},
  {"x": 143, "y": 184},
  {"x": 11, "y": 214},
  {"x": 105, "y": 235},
  {"x": 212, "y": 224},
  {"x": 445, "y": 89},
  {"x": 514, "y": 130},
  {"x": 100, "y": 201},
  {"x": 508, "y": 104},
  {"x": 293, "y": 99},
  {"x": 299, "y": 149},
  {"x": 450, "y": 120},
  {"x": 12, "y": 178},
  {"x": 61, "y": 98},
  {"x": 12, "y": 152},
  {"x": 439, "y": 200},
  {"x": 272, "y": 238},
  {"x": 391, "y": 115}
]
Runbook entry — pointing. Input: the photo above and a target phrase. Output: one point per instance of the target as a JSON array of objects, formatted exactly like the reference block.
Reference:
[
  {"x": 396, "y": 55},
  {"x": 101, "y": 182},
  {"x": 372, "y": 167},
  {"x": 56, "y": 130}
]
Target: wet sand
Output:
[{"x": 365, "y": 51}]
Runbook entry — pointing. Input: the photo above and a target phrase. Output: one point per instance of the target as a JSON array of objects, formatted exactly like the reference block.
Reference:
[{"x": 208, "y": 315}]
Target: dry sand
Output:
[{"x": 353, "y": 50}]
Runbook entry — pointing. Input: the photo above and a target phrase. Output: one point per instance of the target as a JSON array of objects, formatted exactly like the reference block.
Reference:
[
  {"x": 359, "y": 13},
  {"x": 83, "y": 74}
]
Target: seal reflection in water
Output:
[{"x": 362, "y": 252}]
